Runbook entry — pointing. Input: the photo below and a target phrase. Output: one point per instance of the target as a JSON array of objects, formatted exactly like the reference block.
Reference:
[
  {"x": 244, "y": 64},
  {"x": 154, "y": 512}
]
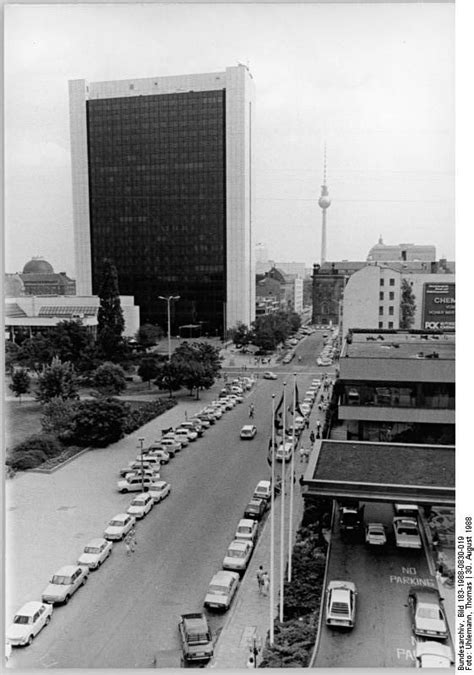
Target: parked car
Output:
[
  {"x": 169, "y": 444},
  {"x": 221, "y": 590},
  {"x": 268, "y": 375},
  {"x": 159, "y": 490},
  {"x": 172, "y": 436},
  {"x": 64, "y": 583},
  {"x": 406, "y": 510},
  {"x": 406, "y": 533},
  {"x": 137, "y": 466},
  {"x": 284, "y": 452},
  {"x": 196, "y": 637},
  {"x": 95, "y": 552},
  {"x": 238, "y": 555},
  {"x": 238, "y": 398},
  {"x": 263, "y": 490},
  {"x": 141, "y": 505},
  {"x": 194, "y": 426},
  {"x": 157, "y": 457},
  {"x": 207, "y": 417},
  {"x": 153, "y": 473},
  {"x": 341, "y": 604},
  {"x": 299, "y": 423},
  {"x": 205, "y": 423},
  {"x": 375, "y": 534},
  {"x": 135, "y": 483},
  {"x": 255, "y": 509},
  {"x": 427, "y": 613},
  {"x": 119, "y": 526},
  {"x": 430, "y": 654},
  {"x": 247, "y": 529},
  {"x": 248, "y": 432},
  {"x": 185, "y": 433},
  {"x": 28, "y": 622}
]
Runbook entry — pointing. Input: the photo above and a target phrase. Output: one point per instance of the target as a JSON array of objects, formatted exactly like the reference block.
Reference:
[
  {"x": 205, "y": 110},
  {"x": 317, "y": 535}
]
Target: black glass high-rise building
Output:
[{"x": 162, "y": 185}]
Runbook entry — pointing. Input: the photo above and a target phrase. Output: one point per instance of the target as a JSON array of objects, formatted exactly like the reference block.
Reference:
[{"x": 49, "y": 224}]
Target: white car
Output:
[
  {"x": 221, "y": 590},
  {"x": 238, "y": 555},
  {"x": 431, "y": 654},
  {"x": 341, "y": 604},
  {"x": 375, "y": 534},
  {"x": 237, "y": 397},
  {"x": 136, "y": 466},
  {"x": 248, "y": 432},
  {"x": 119, "y": 526},
  {"x": 214, "y": 410},
  {"x": 153, "y": 473},
  {"x": 308, "y": 400},
  {"x": 182, "y": 439},
  {"x": 406, "y": 533},
  {"x": 135, "y": 483},
  {"x": 315, "y": 383},
  {"x": 64, "y": 583},
  {"x": 159, "y": 490},
  {"x": 169, "y": 443},
  {"x": 141, "y": 505},
  {"x": 157, "y": 457},
  {"x": 284, "y": 452},
  {"x": 247, "y": 529},
  {"x": 263, "y": 490},
  {"x": 268, "y": 375},
  {"x": 28, "y": 622},
  {"x": 194, "y": 427},
  {"x": 310, "y": 394},
  {"x": 205, "y": 424},
  {"x": 95, "y": 552},
  {"x": 185, "y": 433},
  {"x": 299, "y": 423},
  {"x": 228, "y": 403}
]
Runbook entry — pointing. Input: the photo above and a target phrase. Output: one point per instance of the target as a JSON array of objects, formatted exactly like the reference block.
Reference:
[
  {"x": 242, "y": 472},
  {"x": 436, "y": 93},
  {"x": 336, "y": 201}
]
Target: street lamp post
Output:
[
  {"x": 141, "y": 441},
  {"x": 168, "y": 300},
  {"x": 255, "y": 647}
]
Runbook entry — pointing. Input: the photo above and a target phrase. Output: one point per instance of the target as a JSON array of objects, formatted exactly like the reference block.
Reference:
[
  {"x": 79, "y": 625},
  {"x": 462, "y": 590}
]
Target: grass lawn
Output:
[{"x": 21, "y": 420}]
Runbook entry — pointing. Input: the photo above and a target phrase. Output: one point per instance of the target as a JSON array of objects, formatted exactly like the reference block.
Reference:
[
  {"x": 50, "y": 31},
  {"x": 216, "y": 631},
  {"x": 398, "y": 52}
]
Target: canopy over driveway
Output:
[{"x": 390, "y": 472}]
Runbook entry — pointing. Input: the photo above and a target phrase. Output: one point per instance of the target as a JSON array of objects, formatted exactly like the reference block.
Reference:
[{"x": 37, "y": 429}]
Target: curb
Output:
[
  {"x": 60, "y": 466},
  {"x": 321, "y": 606}
]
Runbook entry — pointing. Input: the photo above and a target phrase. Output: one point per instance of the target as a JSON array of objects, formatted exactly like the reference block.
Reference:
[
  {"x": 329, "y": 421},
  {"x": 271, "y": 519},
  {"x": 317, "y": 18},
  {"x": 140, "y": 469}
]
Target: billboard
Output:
[{"x": 439, "y": 306}]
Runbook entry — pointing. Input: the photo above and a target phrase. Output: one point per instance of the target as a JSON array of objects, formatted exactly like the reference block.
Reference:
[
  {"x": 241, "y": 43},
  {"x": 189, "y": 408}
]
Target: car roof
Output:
[
  {"x": 142, "y": 495},
  {"x": 195, "y": 622},
  {"x": 96, "y": 542},
  {"x": 121, "y": 516},
  {"x": 248, "y": 427},
  {"x": 238, "y": 543},
  {"x": 263, "y": 483},
  {"x": 341, "y": 586},
  {"x": 255, "y": 501},
  {"x": 375, "y": 525},
  {"x": 223, "y": 577},
  {"x": 29, "y": 608},
  {"x": 66, "y": 570},
  {"x": 246, "y": 522}
]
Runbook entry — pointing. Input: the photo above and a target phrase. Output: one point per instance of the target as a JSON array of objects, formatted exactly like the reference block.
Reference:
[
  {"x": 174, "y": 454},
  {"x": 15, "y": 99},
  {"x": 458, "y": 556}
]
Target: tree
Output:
[
  {"x": 20, "y": 382},
  {"x": 110, "y": 319},
  {"x": 58, "y": 415},
  {"x": 170, "y": 377},
  {"x": 99, "y": 422},
  {"x": 109, "y": 379},
  {"x": 57, "y": 380},
  {"x": 241, "y": 335},
  {"x": 148, "y": 369},
  {"x": 407, "y": 306},
  {"x": 197, "y": 376},
  {"x": 36, "y": 352},
  {"x": 11, "y": 356},
  {"x": 71, "y": 341},
  {"x": 149, "y": 335}
]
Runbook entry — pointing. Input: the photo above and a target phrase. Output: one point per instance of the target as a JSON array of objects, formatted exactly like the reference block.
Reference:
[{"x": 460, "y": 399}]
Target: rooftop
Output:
[{"x": 374, "y": 345}]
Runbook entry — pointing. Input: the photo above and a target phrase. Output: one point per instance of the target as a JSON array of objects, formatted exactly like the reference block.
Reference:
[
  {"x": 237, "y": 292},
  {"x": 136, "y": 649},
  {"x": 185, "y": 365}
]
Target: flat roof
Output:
[
  {"x": 387, "y": 463},
  {"x": 400, "y": 346}
]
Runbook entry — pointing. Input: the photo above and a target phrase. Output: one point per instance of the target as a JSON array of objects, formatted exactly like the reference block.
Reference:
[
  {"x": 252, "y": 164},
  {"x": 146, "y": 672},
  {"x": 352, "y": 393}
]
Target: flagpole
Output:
[
  {"x": 292, "y": 476},
  {"x": 272, "y": 532},
  {"x": 282, "y": 514}
]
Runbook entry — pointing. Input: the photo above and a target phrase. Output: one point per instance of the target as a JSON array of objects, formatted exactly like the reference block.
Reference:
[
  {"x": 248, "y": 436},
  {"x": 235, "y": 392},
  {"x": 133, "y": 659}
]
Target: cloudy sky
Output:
[{"x": 373, "y": 82}]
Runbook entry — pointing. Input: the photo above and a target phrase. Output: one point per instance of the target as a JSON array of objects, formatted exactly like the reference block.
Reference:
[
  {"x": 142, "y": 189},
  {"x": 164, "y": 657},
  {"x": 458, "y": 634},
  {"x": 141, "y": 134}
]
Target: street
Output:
[{"x": 127, "y": 614}]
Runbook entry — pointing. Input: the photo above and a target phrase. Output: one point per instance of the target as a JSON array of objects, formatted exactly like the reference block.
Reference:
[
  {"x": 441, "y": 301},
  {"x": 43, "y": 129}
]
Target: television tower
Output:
[{"x": 324, "y": 202}]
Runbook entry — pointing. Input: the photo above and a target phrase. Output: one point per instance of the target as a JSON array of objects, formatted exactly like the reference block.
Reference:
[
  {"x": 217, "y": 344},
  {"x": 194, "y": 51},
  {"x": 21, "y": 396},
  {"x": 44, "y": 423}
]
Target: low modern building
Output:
[
  {"x": 31, "y": 314},
  {"x": 397, "y": 386}
]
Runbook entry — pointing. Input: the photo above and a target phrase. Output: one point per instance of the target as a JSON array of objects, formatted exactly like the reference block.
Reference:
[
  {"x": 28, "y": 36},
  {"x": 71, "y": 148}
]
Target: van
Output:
[
  {"x": 263, "y": 490},
  {"x": 406, "y": 510}
]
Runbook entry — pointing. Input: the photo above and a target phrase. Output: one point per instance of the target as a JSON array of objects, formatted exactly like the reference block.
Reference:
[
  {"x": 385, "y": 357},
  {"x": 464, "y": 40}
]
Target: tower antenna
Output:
[{"x": 324, "y": 203}]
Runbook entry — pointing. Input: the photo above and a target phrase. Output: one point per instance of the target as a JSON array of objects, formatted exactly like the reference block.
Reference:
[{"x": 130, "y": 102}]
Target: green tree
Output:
[
  {"x": 110, "y": 321},
  {"x": 11, "y": 356},
  {"x": 148, "y": 369},
  {"x": 170, "y": 377},
  {"x": 99, "y": 422},
  {"x": 20, "y": 382},
  {"x": 197, "y": 376},
  {"x": 149, "y": 335},
  {"x": 407, "y": 306},
  {"x": 36, "y": 352},
  {"x": 241, "y": 335},
  {"x": 109, "y": 379},
  {"x": 71, "y": 341},
  {"x": 57, "y": 380},
  {"x": 58, "y": 416}
]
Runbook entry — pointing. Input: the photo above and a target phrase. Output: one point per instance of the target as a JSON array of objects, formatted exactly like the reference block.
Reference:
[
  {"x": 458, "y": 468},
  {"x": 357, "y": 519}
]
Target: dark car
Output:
[
  {"x": 255, "y": 509},
  {"x": 196, "y": 637},
  {"x": 427, "y": 614}
]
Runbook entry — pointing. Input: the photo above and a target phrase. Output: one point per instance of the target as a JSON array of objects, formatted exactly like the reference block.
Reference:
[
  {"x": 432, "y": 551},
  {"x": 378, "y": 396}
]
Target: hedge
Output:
[
  {"x": 147, "y": 412},
  {"x": 44, "y": 443}
]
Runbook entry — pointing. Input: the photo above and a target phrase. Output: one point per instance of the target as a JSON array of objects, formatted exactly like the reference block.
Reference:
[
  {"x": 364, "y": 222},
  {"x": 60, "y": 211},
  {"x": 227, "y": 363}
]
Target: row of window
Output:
[
  {"x": 390, "y": 310},
  {"x": 389, "y": 325},
  {"x": 391, "y": 295},
  {"x": 391, "y": 282}
]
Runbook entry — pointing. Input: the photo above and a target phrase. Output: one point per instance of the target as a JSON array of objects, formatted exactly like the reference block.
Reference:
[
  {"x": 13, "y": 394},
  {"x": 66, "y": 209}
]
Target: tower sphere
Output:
[{"x": 324, "y": 202}]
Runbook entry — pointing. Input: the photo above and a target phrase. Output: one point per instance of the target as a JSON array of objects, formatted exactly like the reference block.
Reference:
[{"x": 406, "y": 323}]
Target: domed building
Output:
[{"x": 39, "y": 278}]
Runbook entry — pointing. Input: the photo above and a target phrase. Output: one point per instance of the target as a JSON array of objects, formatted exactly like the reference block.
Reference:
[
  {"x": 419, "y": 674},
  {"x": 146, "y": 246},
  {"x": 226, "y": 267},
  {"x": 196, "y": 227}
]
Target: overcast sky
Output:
[{"x": 375, "y": 82}]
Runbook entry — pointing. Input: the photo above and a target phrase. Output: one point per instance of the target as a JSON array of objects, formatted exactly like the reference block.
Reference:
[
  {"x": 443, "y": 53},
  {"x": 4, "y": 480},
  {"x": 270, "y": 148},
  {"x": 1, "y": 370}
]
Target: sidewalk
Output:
[{"x": 249, "y": 617}]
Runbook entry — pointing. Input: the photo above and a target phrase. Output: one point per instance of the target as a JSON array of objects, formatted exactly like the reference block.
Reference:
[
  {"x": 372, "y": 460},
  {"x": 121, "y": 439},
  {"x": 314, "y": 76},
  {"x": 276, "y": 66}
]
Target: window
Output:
[
  {"x": 391, "y": 295},
  {"x": 390, "y": 311},
  {"x": 392, "y": 282},
  {"x": 381, "y": 295},
  {"x": 380, "y": 311},
  {"x": 380, "y": 324},
  {"x": 390, "y": 324},
  {"x": 382, "y": 281}
]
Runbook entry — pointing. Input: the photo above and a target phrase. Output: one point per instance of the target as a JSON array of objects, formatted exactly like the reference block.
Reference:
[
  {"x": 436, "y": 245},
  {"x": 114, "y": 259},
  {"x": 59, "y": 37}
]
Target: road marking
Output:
[
  {"x": 405, "y": 654},
  {"x": 412, "y": 581}
]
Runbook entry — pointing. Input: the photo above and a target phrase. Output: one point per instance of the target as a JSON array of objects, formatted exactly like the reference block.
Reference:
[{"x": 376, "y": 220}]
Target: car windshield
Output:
[
  {"x": 92, "y": 549},
  {"x": 116, "y": 523},
  {"x": 217, "y": 590},
  {"x": 138, "y": 502},
  {"x": 426, "y": 612},
  {"x": 21, "y": 618},
  {"x": 244, "y": 530},
  {"x": 61, "y": 580},
  {"x": 233, "y": 553},
  {"x": 411, "y": 531},
  {"x": 376, "y": 531}
]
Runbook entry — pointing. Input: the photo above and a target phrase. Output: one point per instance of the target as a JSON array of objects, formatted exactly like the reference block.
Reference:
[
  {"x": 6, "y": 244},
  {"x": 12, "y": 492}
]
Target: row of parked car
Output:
[
  {"x": 285, "y": 449},
  {"x": 195, "y": 634},
  {"x": 293, "y": 342}
]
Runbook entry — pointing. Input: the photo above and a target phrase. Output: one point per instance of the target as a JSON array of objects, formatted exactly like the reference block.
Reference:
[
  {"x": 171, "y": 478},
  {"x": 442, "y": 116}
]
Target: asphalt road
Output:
[
  {"x": 382, "y": 636},
  {"x": 126, "y": 616}
]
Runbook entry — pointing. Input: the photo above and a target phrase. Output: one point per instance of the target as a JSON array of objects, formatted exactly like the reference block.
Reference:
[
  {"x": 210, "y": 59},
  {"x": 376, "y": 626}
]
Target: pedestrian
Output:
[
  {"x": 318, "y": 425},
  {"x": 127, "y": 547},
  {"x": 306, "y": 422},
  {"x": 265, "y": 584},
  {"x": 300, "y": 480},
  {"x": 133, "y": 539},
  {"x": 302, "y": 454},
  {"x": 260, "y": 579},
  {"x": 318, "y": 433},
  {"x": 251, "y": 411},
  {"x": 312, "y": 437}
]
